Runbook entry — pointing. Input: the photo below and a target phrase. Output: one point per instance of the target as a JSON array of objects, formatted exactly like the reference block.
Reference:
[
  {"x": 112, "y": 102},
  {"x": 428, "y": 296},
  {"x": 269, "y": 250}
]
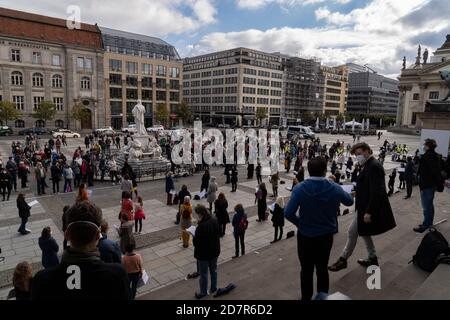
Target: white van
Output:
[{"x": 300, "y": 131}]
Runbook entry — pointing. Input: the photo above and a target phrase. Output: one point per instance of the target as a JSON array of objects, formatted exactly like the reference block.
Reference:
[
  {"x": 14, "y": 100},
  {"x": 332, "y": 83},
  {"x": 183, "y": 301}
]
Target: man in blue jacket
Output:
[{"x": 319, "y": 200}]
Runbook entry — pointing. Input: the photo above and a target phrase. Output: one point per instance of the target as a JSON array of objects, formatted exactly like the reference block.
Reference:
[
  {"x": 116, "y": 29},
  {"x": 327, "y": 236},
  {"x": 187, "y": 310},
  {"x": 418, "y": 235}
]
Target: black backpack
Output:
[{"x": 432, "y": 251}]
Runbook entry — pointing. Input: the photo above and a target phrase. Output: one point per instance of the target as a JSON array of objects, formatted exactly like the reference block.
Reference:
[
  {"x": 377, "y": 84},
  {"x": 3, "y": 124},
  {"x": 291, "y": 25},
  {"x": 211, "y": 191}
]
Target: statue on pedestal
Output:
[
  {"x": 404, "y": 62},
  {"x": 138, "y": 114},
  {"x": 425, "y": 56}
]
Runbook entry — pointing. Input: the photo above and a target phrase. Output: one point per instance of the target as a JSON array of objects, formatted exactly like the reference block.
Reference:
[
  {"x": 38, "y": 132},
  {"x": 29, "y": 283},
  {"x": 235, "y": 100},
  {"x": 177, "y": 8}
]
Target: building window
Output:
[
  {"x": 116, "y": 107},
  {"x": 115, "y": 93},
  {"x": 161, "y": 83},
  {"x": 416, "y": 96},
  {"x": 19, "y": 101},
  {"x": 57, "y": 81},
  {"x": 56, "y": 60},
  {"x": 16, "y": 78},
  {"x": 174, "y": 96},
  {"x": 175, "y": 72},
  {"x": 85, "y": 83},
  {"x": 148, "y": 108},
  {"x": 174, "y": 84},
  {"x": 58, "y": 101},
  {"x": 146, "y": 82},
  {"x": 88, "y": 63},
  {"x": 147, "y": 69},
  {"x": 36, "y": 58},
  {"x": 132, "y": 94},
  {"x": 161, "y": 71},
  {"x": 132, "y": 81},
  {"x": 434, "y": 95},
  {"x": 160, "y": 95},
  {"x": 37, "y": 80},
  {"x": 40, "y": 124},
  {"x": 59, "y": 124},
  {"x": 147, "y": 94},
  {"x": 15, "y": 55},
  {"x": 115, "y": 79},
  {"x": 115, "y": 65},
  {"x": 36, "y": 102},
  {"x": 80, "y": 63},
  {"x": 132, "y": 67},
  {"x": 19, "y": 124}
]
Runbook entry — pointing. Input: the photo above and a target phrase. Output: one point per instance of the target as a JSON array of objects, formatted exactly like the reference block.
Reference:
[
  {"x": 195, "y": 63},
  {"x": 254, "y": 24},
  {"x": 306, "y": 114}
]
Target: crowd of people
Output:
[{"x": 313, "y": 208}]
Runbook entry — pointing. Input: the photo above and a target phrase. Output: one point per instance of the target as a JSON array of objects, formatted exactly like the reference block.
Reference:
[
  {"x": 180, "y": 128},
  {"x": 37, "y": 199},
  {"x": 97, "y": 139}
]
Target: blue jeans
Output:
[
  {"x": 204, "y": 265},
  {"x": 427, "y": 197},
  {"x": 22, "y": 225}
]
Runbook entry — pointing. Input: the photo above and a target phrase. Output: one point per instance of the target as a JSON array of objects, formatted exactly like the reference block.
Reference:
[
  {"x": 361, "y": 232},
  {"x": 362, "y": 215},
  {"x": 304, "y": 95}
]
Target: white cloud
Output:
[
  {"x": 154, "y": 17},
  {"x": 376, "y": 35},
  {"x": 258, "y": 4}
]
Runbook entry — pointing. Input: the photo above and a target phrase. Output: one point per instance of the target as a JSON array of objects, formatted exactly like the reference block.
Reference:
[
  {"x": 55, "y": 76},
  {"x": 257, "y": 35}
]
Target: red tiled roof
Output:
[{"x": 37, "y": 27}]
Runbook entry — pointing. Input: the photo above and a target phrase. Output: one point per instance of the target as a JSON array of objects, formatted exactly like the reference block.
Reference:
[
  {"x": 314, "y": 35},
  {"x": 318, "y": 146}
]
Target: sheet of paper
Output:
[
  {"x": 191, "y": 230},
  {"x": 173, "y": 192},
  {"x": 401, "y": 169},
  {"x": 347, "y": 187},
  {"x": 272, "y": 206},
  {"x": 337, "y": 296},
  {"x": 89, "y": 192},
  {"x": 32, "y": 203}
]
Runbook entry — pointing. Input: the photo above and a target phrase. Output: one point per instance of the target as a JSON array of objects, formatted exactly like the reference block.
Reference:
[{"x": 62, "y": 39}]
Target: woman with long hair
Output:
[
  {"x": 278, "y": 219},
  {"x": 222, "y": 216},
  {"x": 82, "y": 194},
  {"x": 22, "y": 277},
  {"x": 49, "y": 248}
]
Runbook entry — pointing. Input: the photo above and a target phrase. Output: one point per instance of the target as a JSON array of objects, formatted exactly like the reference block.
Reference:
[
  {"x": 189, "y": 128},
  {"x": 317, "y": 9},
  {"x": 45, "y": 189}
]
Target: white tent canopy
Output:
[{"x": 350, "y": 123}]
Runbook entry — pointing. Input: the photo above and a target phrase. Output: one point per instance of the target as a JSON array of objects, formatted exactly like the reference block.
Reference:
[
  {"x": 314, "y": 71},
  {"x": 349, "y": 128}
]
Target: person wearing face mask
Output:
[
  {"x": 374, "y": 214},
  {"x": 429, "y": 174}
]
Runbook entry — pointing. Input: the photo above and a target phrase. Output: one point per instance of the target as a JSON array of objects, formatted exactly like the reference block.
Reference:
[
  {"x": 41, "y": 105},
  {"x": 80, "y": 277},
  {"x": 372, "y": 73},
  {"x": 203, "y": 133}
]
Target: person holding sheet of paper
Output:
[
  {"x": 278, "y": 219},
  {"x": 185, "y": 220}
]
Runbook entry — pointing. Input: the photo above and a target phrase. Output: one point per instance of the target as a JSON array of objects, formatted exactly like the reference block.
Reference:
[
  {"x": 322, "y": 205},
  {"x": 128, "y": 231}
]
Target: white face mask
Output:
[{"x": 361, "y": 159}]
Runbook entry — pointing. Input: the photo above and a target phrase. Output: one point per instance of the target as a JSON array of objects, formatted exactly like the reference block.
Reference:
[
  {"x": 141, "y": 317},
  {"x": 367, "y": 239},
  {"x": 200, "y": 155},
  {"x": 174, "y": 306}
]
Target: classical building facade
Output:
[
  {"x": 229, "y": 86},
  {"x": 139, "y": 67},
  {"x": 303, "y": 87},
  {"x": 371, "y": 93},
  {"x": 421, "y": 83},
  {"x": 42, "y": 60},
  {"x": 336, "y": 85}
]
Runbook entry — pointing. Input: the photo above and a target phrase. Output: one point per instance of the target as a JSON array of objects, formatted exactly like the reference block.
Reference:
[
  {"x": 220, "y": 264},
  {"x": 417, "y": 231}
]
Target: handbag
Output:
[{"x": 143, "y": 280}]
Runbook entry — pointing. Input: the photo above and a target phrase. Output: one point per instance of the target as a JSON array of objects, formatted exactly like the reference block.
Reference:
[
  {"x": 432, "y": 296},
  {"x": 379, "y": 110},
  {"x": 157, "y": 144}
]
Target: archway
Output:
[{"x": 86, "y": 122}]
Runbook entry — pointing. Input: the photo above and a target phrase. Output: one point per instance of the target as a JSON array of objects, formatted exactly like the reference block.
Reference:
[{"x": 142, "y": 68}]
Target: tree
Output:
[
  {"x": 8, "y": 111},
  {"x": 184, "y": 112},
  {"x": 45, "y": 111},
  {"x": 307, "y": 118},
  {"x": 162, "y": 114},
  {"x": 261, "y": 114},
  {"x": 80, "y": 113}
]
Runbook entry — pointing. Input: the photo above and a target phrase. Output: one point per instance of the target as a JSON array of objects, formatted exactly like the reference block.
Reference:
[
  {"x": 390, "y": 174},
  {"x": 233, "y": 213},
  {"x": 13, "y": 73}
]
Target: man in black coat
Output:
[
  {"x": 430, "y": 177},
  {"x": 82, "y": 275},
  {"x": 206, "y": 249},
  {"x": 373, "y": 211}
]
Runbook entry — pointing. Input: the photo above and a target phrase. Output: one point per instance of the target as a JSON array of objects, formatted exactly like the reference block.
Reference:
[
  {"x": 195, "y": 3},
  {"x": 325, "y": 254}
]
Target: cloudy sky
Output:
[{"x": 376, "y": 32}]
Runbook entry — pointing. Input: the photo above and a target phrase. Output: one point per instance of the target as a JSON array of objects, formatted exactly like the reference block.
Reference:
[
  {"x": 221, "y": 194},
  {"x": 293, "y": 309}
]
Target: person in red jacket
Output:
[
  {"x": 127, "y": 206},
  {"x": 138, "y": 214}
]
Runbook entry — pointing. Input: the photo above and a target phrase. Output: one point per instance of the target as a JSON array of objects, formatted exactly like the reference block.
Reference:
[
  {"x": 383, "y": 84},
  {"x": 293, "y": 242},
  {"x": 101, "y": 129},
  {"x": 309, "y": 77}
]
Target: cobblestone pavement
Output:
[{"x": 159, "y": 244}]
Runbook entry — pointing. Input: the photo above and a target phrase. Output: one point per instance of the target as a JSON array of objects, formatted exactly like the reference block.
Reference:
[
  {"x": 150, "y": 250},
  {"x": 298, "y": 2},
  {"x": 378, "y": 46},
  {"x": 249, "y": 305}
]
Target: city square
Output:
[{"x": 203, "y": 152}]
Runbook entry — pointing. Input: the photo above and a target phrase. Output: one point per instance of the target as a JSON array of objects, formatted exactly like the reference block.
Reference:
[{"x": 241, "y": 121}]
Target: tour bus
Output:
[{"x": 301, "y": 132}]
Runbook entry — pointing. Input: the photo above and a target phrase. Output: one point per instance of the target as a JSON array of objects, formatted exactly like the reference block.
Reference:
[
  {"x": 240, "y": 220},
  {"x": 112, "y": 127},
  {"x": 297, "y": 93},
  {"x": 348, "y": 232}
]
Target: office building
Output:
[
  {"x": 139, "y": 67},
  {"x": 336, "y": 84},
  {"x": 229, "y": 86}
]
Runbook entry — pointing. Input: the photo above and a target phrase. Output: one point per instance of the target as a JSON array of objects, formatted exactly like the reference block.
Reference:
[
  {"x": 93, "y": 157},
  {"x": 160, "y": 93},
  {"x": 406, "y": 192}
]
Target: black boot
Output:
[
  {"x": 371, "y": 261},
  {"x": 340, "y": 264}
]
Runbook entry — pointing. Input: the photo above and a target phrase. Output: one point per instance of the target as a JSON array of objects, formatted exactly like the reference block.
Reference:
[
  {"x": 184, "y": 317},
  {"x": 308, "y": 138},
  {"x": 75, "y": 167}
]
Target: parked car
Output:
[
  {"x": 37, "y": 130},
  {"x": 130, "y": 129},
  {"x": 5, "y": 131},
  {"x": 58, "y": 133},
  {"x": 157, "y": 128}
]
